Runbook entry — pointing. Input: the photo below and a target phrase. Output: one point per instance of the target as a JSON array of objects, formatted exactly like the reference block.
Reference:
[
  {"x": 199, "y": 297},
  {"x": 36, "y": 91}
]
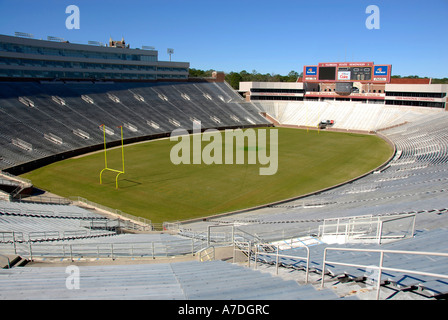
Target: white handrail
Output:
[
  {"x": 114, "y": 250},
  {"x": 355, "y": 226},
  {"x": 380, "y": 266},
  {"x": 205, "y": 252},
  {"x": 277, "y": 256}
]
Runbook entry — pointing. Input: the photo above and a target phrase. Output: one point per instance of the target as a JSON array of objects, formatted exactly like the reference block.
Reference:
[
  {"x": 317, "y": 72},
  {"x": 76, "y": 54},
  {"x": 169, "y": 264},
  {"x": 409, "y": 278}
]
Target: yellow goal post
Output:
[{"x": 106, "y": 168}]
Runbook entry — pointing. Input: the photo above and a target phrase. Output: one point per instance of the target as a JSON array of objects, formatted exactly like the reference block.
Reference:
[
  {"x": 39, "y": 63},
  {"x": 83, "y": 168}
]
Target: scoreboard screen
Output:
[
  {"x": 347, "y": 72},
  {"x": 327, "y": 73}
]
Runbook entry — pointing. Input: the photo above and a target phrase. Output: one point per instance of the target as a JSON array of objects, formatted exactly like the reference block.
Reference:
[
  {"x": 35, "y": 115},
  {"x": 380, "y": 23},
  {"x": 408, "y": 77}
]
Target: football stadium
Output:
[{"x": 118, "y": 180}]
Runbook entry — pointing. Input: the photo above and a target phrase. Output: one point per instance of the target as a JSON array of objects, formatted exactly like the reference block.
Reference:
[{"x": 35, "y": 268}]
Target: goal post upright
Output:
[
  {"x": 105, "y": 157},
  {"x": 122, "y": 147}
]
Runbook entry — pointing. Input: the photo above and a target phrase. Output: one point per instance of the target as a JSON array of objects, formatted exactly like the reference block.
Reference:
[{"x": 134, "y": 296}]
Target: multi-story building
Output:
[
  {"x": 28, "y": 58},
  {"x": 423, "y": 95}
]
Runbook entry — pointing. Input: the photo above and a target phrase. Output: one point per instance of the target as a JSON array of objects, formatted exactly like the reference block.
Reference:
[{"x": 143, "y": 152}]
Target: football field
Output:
[{"x": 154, "y": 188}]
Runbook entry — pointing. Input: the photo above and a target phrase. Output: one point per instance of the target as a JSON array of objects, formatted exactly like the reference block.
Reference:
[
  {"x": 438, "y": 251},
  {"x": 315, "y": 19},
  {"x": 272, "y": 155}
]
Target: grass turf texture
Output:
[{"x": 156, "y": 189}]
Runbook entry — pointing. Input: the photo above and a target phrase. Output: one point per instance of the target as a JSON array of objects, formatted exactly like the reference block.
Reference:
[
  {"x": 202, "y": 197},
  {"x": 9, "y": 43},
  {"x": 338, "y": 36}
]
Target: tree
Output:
[
  {"x": 196, "y": 73},
  {"x": 293, "y": 75},
  {"x": 233, "y": 79}
]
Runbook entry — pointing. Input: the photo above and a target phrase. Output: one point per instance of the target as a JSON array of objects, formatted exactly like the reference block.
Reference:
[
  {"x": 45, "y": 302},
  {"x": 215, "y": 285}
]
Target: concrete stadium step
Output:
[
  {"x": 10, "y": 261},
  {"x": 238, "y": 282},
  {"x": 191, "y": 280}
]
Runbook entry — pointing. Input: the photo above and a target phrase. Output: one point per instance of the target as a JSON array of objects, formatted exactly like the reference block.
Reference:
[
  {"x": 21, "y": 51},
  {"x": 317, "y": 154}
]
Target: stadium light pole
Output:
[{"x": 170, "y": 51}]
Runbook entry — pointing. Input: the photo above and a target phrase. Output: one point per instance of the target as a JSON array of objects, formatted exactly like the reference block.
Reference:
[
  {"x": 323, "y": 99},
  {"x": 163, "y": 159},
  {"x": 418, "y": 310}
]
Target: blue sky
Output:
[{"x": 266, "y": 36}]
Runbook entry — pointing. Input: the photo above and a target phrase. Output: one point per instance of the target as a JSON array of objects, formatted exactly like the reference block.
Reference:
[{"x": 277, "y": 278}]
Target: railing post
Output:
[
  {"x": 413, "y": 225},
  {"x": 276, "y": 262},
  {"x": 248, "y": 253},
  {"x": 31, "y": 252},
  {"x": 307, "y": 264},
  {"x": 234, "y": 248},
  {"x": 347, "y": 231},
  {"x": 214, "y": 253},
  {"x": 256, "y": 256},
  {"x": 323, "y": 267},
  {"x": 208, "y": 235},
  {"x": 380, "y": 271},
  {"x": 14, "y": 241},
  {"x": 380, "y": 232}
]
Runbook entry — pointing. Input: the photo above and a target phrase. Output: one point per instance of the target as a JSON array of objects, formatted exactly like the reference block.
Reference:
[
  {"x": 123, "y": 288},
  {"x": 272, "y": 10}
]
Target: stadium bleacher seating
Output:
[
  {"x": 22, "y": 222},
  {"x": 347, "y": 115},
  {"x": 182, "y": 280},
  {"x": 414, "y": 182},
  {"x": 59, "y": 117}
]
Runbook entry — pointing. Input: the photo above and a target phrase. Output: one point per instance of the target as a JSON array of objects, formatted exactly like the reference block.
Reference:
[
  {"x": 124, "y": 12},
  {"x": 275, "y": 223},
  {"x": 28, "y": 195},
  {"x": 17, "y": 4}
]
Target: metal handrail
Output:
[
  {"x": 113, "y": 250},
  {"x": 205, "y": 252},
  {"x": 349, "y": 230},
  {"x": 241, "y": 246},
  {"x": 278, "y": 255},
  {"x": 143, "y": 222},
  {"x": 380, "y": 231},
  {"x": 38, "y": 236},
  {"x": 41, "y": 199},
  {"x": 380, "y": 266}
]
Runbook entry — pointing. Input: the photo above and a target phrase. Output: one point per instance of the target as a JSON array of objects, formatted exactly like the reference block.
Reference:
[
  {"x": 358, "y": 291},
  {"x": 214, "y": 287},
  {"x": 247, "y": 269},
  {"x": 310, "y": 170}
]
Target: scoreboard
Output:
[{"x": 347, "y": 72}]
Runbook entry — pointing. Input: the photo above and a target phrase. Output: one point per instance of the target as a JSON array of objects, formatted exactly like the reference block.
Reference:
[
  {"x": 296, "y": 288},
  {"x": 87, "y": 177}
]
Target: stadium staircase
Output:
[
  {"x": 12, "y": 186},
  {"x": 11, "y": 261}
]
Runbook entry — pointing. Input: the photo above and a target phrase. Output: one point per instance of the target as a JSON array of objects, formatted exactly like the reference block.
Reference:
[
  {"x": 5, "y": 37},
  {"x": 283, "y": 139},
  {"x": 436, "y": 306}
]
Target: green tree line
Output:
[
  {"x": 234, "y": 78},
  {"x": 433, "y": 80}
]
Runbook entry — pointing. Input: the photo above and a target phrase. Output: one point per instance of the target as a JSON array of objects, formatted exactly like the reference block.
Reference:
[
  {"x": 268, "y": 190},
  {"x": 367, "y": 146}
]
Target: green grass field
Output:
[{"x": 156, "y": 189}]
